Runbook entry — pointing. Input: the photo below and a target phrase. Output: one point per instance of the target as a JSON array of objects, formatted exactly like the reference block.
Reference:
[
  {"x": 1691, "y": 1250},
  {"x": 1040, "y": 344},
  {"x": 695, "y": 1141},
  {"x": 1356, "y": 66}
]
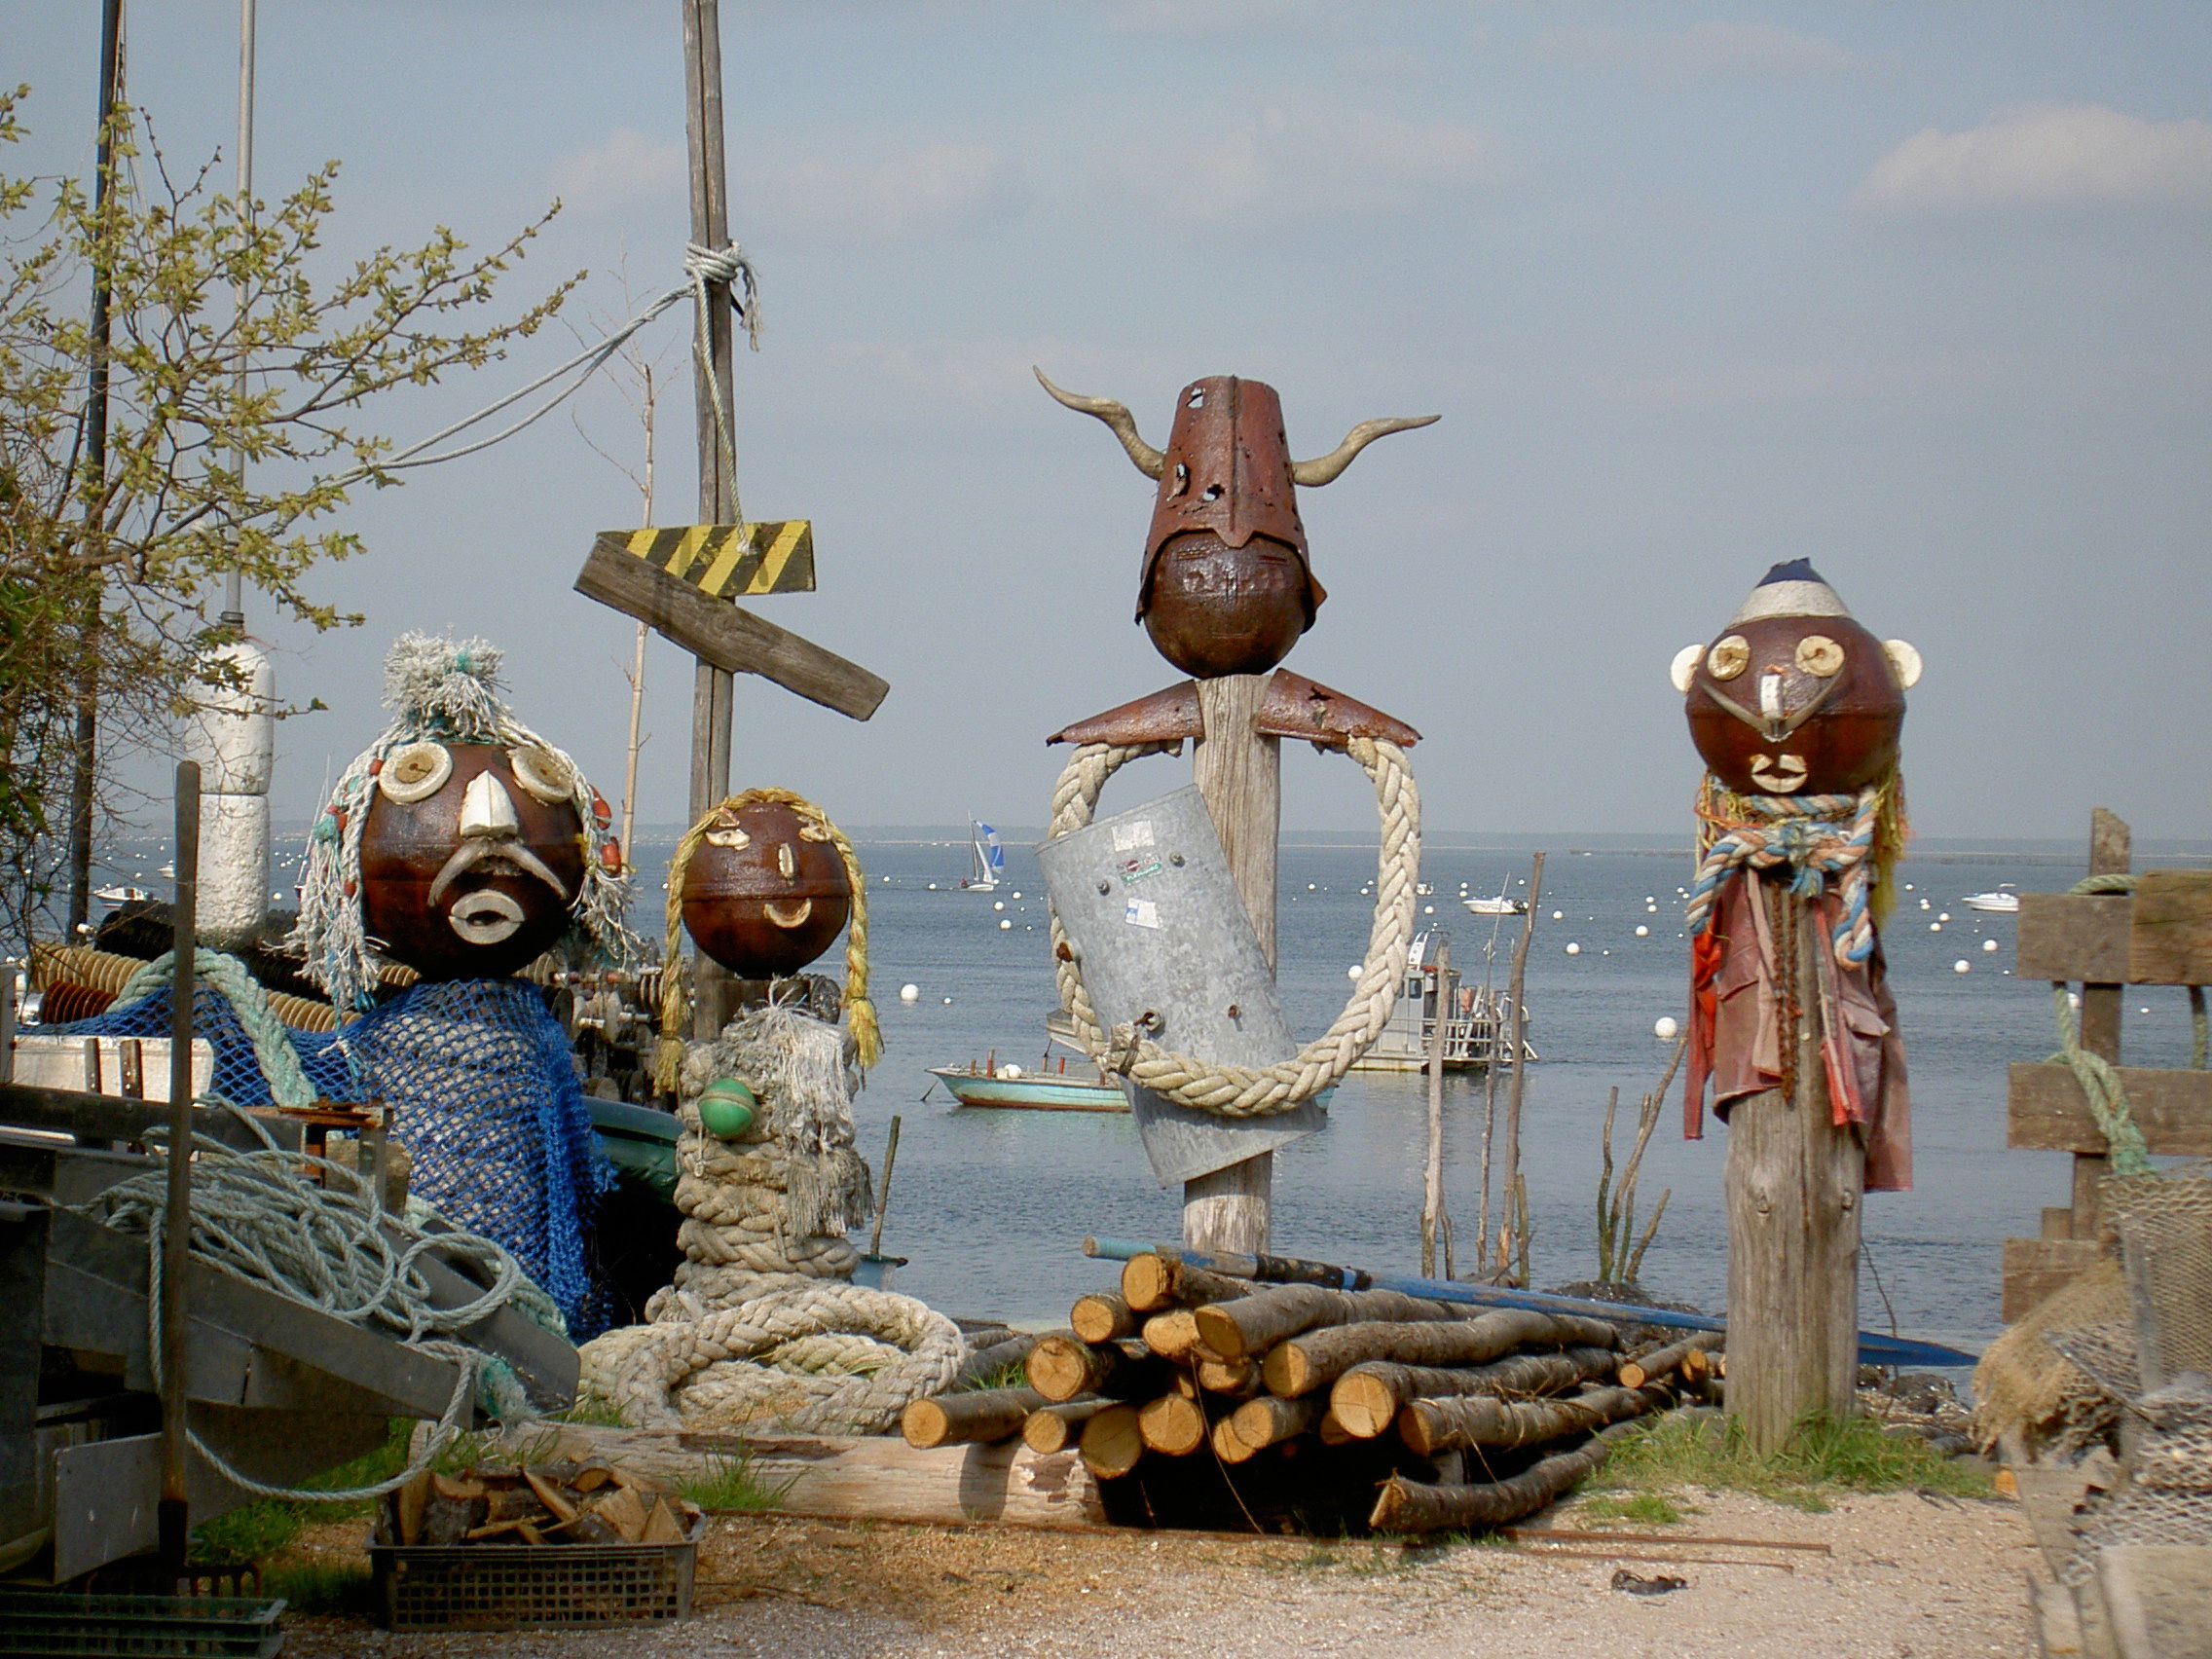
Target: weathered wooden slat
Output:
[
  {"x": 724, "y": 636},
  {"x": 2049, "y": 1113},
  {"x": 2036, "y": 1268},
  {"x": 2074, "y": 937},
  {"x": 2169, "y": 937}
]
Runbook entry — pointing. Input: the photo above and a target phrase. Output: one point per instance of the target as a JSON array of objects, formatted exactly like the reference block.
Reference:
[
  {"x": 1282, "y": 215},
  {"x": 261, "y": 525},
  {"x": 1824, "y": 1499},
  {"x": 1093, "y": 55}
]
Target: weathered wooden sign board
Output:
[
  {"x": 726, "y": 561},
  {"x": 721, "y": 634}
]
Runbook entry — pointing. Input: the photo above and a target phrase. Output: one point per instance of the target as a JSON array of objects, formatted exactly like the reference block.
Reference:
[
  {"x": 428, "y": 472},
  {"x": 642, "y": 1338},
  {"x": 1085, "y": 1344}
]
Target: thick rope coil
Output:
[
  {"x": 257, "y": 1217},
  {"x": 1248, "y": 1092},
  {"x": 1820, "y": 839},
  {"x": 867, "y": 1035},
  {"x": 232, "y": 980}
]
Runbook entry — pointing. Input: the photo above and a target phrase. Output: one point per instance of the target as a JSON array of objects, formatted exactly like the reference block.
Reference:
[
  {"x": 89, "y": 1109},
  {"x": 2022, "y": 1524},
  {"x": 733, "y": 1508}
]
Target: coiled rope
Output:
[
  {"x": 256, "y": 1217},
  {"x": 867, "y": 1034},
  {"x": 234, "y": 982},
  {"x": 1820, "y": 839},
  {"x": 1251, "y": 1092}
]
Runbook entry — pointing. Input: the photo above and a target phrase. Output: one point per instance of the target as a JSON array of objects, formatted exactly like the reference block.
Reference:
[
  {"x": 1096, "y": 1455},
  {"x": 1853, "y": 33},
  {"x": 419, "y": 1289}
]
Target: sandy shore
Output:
[{"x": 1907, "y": 1576}]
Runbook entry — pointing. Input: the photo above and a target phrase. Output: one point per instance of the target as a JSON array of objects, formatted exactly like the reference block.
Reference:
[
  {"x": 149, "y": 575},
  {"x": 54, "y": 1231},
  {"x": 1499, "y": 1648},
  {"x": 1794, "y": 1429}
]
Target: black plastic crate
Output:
[
  {"x": 36, "y": 1624},
  {"x": 514, "y": 1586}
]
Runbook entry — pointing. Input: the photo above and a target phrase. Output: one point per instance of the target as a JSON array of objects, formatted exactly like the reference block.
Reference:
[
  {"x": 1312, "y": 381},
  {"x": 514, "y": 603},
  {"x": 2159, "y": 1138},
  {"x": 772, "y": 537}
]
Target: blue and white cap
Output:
[{"x": 1791, "y": 589}]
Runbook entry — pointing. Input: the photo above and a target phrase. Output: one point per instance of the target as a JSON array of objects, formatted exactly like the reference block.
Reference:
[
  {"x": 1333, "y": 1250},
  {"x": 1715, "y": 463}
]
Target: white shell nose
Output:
[{"x": 488, "y": 811}]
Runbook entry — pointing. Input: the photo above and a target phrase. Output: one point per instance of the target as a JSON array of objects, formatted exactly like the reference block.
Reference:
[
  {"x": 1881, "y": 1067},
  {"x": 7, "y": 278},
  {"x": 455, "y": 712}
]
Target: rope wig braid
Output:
[
  {"x": 1252, "y": 1092},
  {"x": 445, "y": 691},
  {"x": 867, "y": 1035}
]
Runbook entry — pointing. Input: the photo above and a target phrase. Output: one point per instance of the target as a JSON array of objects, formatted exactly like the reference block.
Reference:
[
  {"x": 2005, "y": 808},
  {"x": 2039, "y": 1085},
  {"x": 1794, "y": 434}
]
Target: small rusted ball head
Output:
[
  {"x": 471, "y": 857},
  {"x": 766, "y": 892},
  {"x": 1227, "y": 587},
  {"x": 1794, "y": 696}
]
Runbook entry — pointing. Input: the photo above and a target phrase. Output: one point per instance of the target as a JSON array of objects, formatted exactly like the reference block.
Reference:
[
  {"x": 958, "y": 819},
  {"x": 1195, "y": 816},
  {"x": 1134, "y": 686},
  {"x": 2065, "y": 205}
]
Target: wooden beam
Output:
[
  {"x": 2074, "y": 937},
  {"x": 2111, "y": 853},
  {"x": 2169, "y": 939},
  {"x": 2036, "y": 1269},
  {"x": 720, "y": 634},
  {"x": 2048, "y": 1111}
]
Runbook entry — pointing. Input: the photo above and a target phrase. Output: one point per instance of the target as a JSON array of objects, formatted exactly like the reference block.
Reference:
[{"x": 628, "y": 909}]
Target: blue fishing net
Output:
[
  {"x": 237, "y": 1077},
  {"x": 483, "y": 1092}
]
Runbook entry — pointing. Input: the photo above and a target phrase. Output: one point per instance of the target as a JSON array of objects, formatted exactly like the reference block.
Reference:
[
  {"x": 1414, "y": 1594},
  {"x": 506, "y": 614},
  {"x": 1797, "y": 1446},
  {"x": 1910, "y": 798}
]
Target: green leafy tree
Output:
[{"x": 110, "y": 574}]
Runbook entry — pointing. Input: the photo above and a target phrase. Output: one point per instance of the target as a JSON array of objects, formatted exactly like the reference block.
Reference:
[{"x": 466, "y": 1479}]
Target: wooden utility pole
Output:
[
  {"x": 1239, "y": 773},
  {"x": 1509, "y": 1193},
  {"x": 173, "y": 1512},
  {"x": 712, "y": 688},
  {"x": 1432, "y": 1170},
  {"x": 1794, "y": 1183}
]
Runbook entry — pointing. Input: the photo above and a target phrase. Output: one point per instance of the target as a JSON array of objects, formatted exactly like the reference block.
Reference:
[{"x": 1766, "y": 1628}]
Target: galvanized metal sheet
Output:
[{"x": 1149, "y": 910}]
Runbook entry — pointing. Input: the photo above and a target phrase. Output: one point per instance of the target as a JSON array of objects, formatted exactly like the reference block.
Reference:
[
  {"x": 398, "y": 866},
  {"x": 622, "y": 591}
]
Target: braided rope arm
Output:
[{"x": 1250, "y": 1092}]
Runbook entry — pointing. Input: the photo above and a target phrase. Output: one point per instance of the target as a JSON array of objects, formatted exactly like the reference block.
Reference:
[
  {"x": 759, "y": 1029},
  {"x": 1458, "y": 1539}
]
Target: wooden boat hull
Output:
[{"x": 1031, "y": 1093}]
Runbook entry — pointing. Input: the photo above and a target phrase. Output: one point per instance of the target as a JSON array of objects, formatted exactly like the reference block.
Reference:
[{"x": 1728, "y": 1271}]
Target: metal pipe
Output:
[
  {"x": 1874, "y": 1347},
  {"x": 174, "y": 1517}
]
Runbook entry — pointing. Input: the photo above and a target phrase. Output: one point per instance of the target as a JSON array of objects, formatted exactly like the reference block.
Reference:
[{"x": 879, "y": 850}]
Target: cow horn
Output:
[
  {"x": 1324, "y": 470},
  {"x": 1149, "y": 462}
]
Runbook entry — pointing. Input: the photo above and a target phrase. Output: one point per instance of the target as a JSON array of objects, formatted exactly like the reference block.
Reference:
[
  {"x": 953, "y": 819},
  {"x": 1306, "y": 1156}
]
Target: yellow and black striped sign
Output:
[{"x": 728, "y": 561}]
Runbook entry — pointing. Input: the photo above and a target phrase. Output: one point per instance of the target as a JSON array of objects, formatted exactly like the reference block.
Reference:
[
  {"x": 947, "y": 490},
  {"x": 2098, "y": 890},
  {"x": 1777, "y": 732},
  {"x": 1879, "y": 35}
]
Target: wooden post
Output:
[
  {"x": 2111, "y": 853},
  {"x": 1519, "y": 1042},
  {"x": 1794, "y": 1184},
  {"x": 172, "y": 1516},
  {"x": 712, "y": 697},
  {"x": 1239, "y": 773},
  {"x": 1432, "y": 1171}
]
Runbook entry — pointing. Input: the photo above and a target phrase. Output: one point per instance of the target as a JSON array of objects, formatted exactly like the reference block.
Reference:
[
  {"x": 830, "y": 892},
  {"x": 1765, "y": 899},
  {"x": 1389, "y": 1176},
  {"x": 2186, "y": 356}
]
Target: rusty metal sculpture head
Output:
[
  {"x": 1227, "y": 586},
  {"x": 1795, "y": 697},
  {"x": 459, "y": 844},
  {"x": 765, "y": 890}
]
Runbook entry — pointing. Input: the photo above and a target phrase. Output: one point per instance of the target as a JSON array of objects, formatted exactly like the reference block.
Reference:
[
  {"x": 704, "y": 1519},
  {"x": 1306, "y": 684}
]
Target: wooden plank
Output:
[
  {"x": 102, "y": 1118},
  {"x": 726, "y": 637},
  {"x": 722, "y": 561},
  {"x": 2037, "y": 1268},
  {"x": 2169, "y": 939},
  {"x": 2074, "y": 937},
  {"x": 2049, "y": 1113},
  {"x": 2158, "y": 1600}
]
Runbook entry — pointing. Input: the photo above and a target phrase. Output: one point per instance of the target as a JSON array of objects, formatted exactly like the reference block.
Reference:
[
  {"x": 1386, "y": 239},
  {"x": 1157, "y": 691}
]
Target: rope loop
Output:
[
  {"x": 1819, "y": 839},
  {"x": 1252, "y": 1092}
]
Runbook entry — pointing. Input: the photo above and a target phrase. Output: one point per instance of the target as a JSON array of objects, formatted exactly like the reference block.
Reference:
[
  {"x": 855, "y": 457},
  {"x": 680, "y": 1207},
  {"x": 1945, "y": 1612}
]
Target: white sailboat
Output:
[{"x": 987, "y": 859}]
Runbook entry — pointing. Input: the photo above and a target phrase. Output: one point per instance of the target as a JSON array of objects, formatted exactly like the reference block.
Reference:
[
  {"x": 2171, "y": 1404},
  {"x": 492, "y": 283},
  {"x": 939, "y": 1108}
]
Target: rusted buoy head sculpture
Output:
[
  {"x": 765, "y": 890},
  {"x": 1227, "y": 584},
  {"x": 1794, "y": 696}
]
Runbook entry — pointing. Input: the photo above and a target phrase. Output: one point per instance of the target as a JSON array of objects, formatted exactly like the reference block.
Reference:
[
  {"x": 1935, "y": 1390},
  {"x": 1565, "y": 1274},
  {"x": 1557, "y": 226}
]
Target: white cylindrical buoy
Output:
[
  {"x": 1942, "y": 915},
  {"x": 1962, "y": 966},
  {"x": 947, "y": 1002},
  {"x": 1017, "y": 895},
  {"x": 1558, "y": 915},
  {"x": 1354, "y": 971},
  {"x": 1642, "y": 933},
  {"x": 998, "y": 903},
  {"x": 1666, "y": 1028},
  {"x": 910, "y": 993},
  {"x": 1574, "y": 950},
  {"x": 234, "y": 738},
  {"x": 1934, "y": 926},
  {"x": 1429, "y": 909},
  {"x": 1006, "y": 925},
  {"x": 933, "y": 887},
  {"x": 1989, "y": 944}
]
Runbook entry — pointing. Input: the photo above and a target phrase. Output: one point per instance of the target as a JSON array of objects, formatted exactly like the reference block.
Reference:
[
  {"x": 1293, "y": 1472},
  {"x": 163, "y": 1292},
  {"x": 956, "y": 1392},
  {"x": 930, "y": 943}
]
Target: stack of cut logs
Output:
[
  {"x": 1317, "y": 1409},
  {"x": 544, "y": 1503}
]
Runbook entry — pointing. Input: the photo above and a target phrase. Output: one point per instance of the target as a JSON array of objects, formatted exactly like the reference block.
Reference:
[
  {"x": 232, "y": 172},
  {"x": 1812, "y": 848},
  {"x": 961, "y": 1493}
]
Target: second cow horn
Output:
[{"x": 1326, "y": 468}]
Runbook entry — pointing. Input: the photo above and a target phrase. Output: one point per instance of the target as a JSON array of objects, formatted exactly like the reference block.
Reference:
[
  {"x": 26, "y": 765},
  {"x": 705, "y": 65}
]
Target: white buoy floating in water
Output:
[
  {"x": 1665, "y": 1027},
  {"x": 1989, "y": 944},
  {"x": 1356, "y": 971},
  {"x": 1642, "y": 933},
  {"x": 1962, "y": 966},
  {"x": 910, "y": 993},
  {"x": 1005, "y": 925},
  {"x": 1574, "y": 950}
]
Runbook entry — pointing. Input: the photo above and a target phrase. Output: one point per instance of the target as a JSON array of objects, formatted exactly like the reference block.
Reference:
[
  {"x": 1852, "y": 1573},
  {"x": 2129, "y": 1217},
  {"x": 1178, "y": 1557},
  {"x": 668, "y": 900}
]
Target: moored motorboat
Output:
[
  {"x": 2002, "y": 900},
  {"x": 976, "y": 1084}
]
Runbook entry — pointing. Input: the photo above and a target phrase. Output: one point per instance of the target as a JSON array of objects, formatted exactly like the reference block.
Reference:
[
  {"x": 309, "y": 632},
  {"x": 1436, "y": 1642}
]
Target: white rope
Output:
[
  {"x": 1247, "y": 1091},
  {"x": 701, "y": 266},
  {"x": 257, "y": 1217}
]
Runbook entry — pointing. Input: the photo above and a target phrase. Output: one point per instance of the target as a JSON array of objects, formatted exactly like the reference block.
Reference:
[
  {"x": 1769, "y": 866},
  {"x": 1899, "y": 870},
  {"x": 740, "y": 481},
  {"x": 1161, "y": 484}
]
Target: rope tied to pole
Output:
[
  {"x": 1250, "y": 1092},
  {"x": 1850, "y": 839},
  {"x": 232, "y": 980}
]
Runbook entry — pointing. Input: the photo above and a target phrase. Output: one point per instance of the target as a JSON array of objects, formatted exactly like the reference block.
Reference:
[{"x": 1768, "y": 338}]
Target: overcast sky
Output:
[{"x": 1919, "y": 292}]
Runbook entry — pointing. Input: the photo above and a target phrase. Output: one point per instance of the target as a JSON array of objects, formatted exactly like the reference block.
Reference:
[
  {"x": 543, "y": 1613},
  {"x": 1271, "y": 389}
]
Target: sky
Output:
[{"x": 1917, "y": 292}]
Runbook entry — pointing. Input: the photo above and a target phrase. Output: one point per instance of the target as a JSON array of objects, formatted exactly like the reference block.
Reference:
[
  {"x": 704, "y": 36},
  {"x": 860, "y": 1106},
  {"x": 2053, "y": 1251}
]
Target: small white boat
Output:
[
  {"x": 2003, "y": 900},
  {"x": 993, "y": 1084},
  {"x": 120, "y": 895},
  {"x": 1501, "y": 906},
  {"x": 987, "y": 859}
]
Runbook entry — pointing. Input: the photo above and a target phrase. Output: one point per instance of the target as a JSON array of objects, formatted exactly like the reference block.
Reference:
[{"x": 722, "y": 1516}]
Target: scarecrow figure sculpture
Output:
[
  {"x": 463, "y": 846},
  {"x": 1796, "y": 711}
]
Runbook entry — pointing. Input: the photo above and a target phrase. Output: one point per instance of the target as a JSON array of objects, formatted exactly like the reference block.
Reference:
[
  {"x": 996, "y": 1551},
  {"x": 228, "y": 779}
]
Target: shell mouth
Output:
[
  {"x": 486, "y": 916},
  {"x": 1779, "y": 774},
  {"x": 789, "y": 915}
]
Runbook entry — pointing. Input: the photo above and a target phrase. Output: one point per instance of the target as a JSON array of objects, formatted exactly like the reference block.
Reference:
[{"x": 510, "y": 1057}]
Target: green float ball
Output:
[{"x": 727, "y": 1108}]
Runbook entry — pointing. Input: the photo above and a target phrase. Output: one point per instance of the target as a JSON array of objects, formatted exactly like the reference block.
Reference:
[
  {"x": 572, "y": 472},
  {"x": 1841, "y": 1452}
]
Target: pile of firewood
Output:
[
  {"x": 1202, "y": 1400},
  {"x": 541, "y": 1503}
]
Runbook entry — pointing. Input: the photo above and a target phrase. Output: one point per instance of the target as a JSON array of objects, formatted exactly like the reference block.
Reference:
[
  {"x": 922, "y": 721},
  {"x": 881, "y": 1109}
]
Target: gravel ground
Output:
[{"x": 1910, "y": 1577}]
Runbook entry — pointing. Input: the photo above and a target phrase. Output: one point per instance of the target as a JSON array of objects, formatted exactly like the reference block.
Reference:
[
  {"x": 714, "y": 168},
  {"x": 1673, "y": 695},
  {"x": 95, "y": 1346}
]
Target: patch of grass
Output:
[
  {"x": 258, "y": 1529},
  {"x": 341, "y": 1588},
  {"x": 730, "y": 1482},
  {"x": 1013, "y": 1374},
  {"x": 1650, "y": 1509},
  {"x": 1823, "y": 1456},
  {"x": 594, "y": 1414}
]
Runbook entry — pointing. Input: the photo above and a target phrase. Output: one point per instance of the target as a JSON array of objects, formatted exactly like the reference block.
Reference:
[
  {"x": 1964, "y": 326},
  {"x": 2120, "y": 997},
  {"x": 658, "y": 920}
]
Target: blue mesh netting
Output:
[
  {"x": 484, "y": 1096},
  {"x": 237, "y": 1075}
]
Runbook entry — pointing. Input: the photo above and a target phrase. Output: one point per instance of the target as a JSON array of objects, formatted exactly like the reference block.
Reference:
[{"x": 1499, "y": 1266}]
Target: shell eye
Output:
[
  {"x": 414, "y": 772},
  {"x": 544, "y": 774},
  {"x": 728, "y": 835},
  {"x": 813, "y": 832},
  {"x": 1728, "y": 657},
  {"x": 1818, "y": 654}
]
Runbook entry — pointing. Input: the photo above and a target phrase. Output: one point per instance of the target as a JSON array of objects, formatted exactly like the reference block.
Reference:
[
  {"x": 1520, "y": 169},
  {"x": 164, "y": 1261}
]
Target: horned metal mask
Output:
[{"x": 1227, "y": 586}]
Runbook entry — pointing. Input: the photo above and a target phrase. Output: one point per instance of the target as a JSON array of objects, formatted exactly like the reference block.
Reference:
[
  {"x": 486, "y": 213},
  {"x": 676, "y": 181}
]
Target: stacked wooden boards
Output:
[{"x": 1199, "y": 1400}]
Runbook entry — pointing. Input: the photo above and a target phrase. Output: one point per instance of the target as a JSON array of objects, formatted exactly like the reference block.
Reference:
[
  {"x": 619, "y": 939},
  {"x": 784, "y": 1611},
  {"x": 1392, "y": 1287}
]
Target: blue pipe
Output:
[{"x": 1874, "y": 1347}]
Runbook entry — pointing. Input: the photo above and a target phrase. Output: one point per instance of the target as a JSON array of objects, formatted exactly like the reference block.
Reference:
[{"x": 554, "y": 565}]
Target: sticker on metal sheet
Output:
[
  {"x": 1142, "y": 913},
  {"x": 1128, "y": 836},
  {"x": 1134, "y": 870}
]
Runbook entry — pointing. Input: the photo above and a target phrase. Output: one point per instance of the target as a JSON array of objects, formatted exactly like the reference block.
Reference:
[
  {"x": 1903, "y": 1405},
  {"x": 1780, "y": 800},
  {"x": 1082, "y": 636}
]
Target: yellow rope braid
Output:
[{"x": 867, "y": 1035}]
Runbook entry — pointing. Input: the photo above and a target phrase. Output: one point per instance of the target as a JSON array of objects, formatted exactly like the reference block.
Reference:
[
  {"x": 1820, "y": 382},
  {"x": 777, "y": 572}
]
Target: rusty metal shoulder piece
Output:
[
  {"x": 1294, "y": 706},
  {"x": 1164, "y": 717}
]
